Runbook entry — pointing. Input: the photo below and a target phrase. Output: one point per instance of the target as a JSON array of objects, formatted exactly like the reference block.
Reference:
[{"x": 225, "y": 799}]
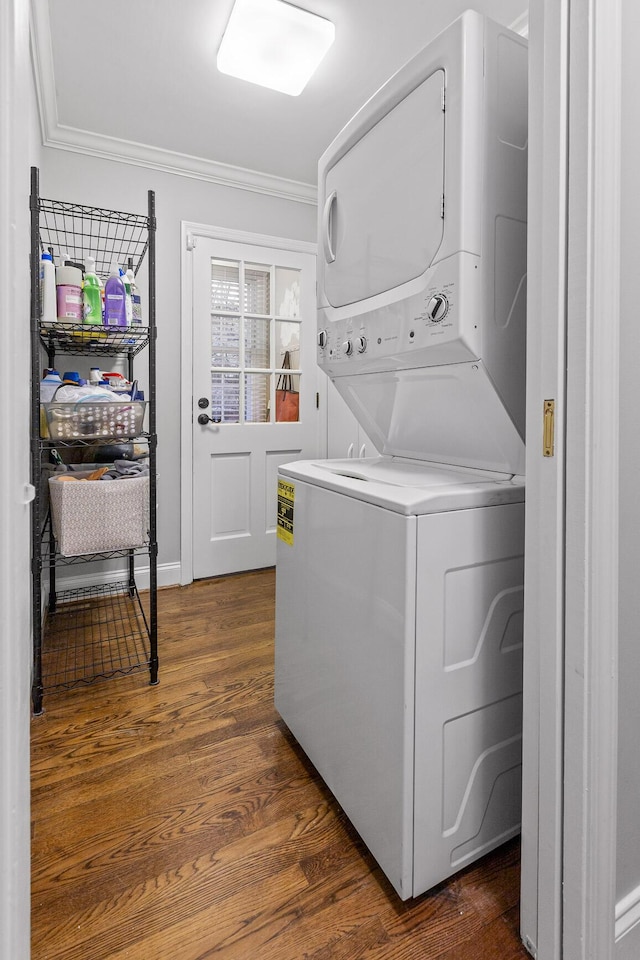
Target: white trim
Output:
[
  {"x": 541, "y": 849},
  {"x": 521, "y": 24},
  {"x": 15, "y": 571},
  {"x": 195, "y": 230},
  {"x": 627, "y": 913},
  {"x": 190, "y": 231},
  {"x": 591, "y": 709},
  {"x": 169, "y": 575},
  {"x": 62, "y": 137}
]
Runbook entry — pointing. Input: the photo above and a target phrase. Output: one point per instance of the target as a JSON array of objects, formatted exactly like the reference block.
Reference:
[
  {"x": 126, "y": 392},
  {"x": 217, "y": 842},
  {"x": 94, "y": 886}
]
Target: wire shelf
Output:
[
  {"x": 106, "y": 235},
  {"x": 94, "y": 633},
  {"x": 49, "y": 556},
  {"x": 79, "y": 339},
  {"x": 47, "y": 443}
]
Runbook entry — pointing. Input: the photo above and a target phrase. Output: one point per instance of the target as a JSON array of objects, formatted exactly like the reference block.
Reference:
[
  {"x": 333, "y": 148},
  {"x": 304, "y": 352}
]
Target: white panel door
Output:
[{"x": 253, "y": 313}]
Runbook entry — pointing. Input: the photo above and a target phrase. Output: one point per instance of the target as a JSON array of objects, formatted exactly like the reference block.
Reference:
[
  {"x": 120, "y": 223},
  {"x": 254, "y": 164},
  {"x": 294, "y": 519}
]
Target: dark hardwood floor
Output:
[{"x": 181, "y": 821}]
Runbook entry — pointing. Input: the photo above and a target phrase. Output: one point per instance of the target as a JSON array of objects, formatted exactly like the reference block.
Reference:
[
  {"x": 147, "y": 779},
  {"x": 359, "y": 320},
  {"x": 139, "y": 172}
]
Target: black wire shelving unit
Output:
[{"x": 109, "y": 628}]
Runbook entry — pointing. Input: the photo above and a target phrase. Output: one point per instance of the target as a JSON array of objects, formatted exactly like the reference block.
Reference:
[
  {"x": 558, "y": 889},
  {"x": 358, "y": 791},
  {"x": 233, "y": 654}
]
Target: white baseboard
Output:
[
  {"x": 627, "y": 913},
  {"x": 168, "y": 576}
]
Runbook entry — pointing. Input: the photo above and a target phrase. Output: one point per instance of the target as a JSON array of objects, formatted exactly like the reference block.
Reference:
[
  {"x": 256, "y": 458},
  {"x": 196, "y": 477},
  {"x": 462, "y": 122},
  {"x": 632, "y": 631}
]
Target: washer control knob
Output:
[
  {"x": 347, "y": 348},
  {"x": 322, "y": 339},
  {"x": 361, "y": 344},
  {"x": 437, "y": 308}
]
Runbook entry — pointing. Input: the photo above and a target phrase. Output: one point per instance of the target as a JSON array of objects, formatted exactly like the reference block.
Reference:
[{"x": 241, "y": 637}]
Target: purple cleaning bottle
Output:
[{"x": 115, "y": 307}]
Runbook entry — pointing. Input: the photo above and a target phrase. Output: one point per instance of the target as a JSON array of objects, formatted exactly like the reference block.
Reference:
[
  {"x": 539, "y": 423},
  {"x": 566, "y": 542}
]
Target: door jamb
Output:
[{"x": 591, "y": 694}]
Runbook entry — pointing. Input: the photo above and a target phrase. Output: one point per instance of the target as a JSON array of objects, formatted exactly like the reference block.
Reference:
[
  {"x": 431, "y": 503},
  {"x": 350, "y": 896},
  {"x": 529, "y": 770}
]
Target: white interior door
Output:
[{"x": 253, "y": 314}]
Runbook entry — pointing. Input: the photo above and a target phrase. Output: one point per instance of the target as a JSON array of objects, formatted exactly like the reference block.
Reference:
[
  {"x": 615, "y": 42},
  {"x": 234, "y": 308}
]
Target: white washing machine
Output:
[
  {"x": 399, "y": 654},
  {"x": 399, "y": 579}
]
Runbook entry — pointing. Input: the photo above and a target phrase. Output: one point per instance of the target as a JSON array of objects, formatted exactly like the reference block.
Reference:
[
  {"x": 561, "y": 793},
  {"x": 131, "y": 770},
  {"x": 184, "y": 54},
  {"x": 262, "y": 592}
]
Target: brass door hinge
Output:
[{"x": 548, "y": 428}]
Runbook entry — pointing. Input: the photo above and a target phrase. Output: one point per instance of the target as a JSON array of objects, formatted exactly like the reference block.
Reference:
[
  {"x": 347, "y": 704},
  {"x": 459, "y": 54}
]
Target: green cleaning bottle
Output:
[{"x": 91, "y": 297}]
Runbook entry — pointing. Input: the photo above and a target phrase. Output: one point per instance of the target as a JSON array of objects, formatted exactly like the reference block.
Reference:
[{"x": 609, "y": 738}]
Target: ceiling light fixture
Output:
[{"x": 274, "y": 44}]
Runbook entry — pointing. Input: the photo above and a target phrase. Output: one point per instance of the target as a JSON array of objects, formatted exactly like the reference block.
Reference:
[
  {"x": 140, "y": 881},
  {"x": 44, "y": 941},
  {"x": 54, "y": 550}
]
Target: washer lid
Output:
[{"x": 409, "y": 487}]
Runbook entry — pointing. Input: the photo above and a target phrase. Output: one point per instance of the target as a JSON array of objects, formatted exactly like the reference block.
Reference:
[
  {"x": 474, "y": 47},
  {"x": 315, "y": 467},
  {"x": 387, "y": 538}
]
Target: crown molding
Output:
[
  {"x": 61, "y": 137},
  {"x": 521, "y": 24}
]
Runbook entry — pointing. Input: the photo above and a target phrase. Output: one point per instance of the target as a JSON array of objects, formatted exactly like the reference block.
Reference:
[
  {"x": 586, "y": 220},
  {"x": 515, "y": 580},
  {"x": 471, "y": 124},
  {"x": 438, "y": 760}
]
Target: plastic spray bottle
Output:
[
  {"x": 127, "y": 297},
  {"x": 136, "y": 302},
  {"x": 115, "y": 308},
  {"x": 91, "y": 297}
]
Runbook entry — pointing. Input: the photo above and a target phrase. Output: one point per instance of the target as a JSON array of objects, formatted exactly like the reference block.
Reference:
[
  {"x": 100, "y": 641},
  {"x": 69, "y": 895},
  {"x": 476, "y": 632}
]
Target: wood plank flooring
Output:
[{"x": 182, "y": 821}]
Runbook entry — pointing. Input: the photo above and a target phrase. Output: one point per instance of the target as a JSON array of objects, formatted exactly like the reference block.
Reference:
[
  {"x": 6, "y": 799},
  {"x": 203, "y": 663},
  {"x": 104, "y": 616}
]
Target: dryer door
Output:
[{"x": 382, "y": 216}]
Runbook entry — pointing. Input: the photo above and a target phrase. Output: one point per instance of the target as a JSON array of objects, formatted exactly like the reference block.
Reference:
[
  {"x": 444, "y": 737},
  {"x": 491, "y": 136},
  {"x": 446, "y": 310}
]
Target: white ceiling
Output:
[{"x": 138, "y": 79}]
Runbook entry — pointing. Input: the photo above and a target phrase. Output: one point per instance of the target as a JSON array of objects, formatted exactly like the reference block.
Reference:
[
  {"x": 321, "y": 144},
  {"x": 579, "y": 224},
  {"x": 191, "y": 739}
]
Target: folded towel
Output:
[{"x": 126, "y": 469}]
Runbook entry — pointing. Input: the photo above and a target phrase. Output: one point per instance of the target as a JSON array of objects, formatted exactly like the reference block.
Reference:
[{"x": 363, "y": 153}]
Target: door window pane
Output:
[
  {"x": 257, "y": 342},
  {"x": 255, "y": 330},
  {"x": 257, "y": 289},
  {"x": 225, "y": 341},
  {"x": 225, "y": 397},
  {"x": 287, "y": 292},
  {"x": 256, "y": 397},
  {"x": 225, "y": 285},
  {"x": 288, "y": 339}
]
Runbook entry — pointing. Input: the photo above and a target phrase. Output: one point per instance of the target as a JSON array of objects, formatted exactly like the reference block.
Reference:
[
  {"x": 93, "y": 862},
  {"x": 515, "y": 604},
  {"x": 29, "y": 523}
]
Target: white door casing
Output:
[
  {"x": 235, "y": 462},
  {"x": 569, "y": 867},
  {"x": 591, "y": 588},
  {"x": 541, "y": 868}
]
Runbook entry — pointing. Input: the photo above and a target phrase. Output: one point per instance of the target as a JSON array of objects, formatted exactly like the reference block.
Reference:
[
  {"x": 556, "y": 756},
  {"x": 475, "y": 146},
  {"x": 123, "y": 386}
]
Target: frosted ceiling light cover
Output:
[{"x": 274, "y": 44}]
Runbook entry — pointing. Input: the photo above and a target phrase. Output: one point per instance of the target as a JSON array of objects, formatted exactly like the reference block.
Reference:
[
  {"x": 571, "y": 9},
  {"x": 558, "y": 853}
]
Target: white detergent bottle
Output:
[
  {"x": 48, "y": 307},
  {"x": 127, "y": 297},
  {"x": 48, "y": 385},
  {"x": 115, "y": 307},
  {"x": 136, "y": 303}
]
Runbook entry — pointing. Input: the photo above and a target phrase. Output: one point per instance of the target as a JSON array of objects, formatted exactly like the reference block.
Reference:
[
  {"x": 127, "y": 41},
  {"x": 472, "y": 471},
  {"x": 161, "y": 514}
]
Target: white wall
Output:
[
  {"x": 121, "y": 186},
  {"x": 628, "y": 853}
]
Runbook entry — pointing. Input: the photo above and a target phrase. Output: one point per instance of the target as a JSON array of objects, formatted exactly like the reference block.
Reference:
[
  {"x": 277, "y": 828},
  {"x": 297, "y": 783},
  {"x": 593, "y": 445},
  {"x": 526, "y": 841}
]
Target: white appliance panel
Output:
[
  {"x": 378, "y": 310},
  {"x": 344, "y": 662},
  {"x": 450, "y": 414},
  {"x": 361, "y": 662},
  {"x": 469, "y": 618},
  {"x": 400, "y": 196},
  {"x": 408, "y": 486}
]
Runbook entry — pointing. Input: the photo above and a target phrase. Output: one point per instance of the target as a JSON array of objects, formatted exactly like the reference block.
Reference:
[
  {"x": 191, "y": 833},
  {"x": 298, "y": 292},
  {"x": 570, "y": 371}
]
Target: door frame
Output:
[
  {"x": 190, "y": 232},
  {"x": 16, "y": 492},
  {"x": 592, "y": 521},
  {"x": 569, "y": 827},
  {"x": 543, "y": 744}
]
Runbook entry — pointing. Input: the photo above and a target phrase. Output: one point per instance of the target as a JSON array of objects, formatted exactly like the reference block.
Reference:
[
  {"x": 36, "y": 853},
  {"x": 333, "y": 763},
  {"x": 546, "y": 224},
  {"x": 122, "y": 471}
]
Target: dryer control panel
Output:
[{"x": 432, "y": 327}]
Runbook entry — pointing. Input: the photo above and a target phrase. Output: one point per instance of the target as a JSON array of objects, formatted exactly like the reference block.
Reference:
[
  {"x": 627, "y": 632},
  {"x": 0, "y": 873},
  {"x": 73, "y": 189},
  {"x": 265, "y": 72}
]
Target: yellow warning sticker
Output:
[{"x": 286, "y": 496}]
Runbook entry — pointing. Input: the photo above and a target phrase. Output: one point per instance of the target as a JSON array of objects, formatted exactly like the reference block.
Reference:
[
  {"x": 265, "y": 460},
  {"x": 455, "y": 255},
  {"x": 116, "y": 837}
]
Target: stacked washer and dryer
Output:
[{"x": 399, "y": 586}]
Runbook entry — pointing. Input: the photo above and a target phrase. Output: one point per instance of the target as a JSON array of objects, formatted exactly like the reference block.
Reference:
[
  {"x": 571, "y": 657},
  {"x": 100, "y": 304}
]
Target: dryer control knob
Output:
[
  {"x": 361, "y": 344},
  {"x": 322, "y": 339},
  {"x": 347, "y": 348},
  {"x": 437, "y": 308}
]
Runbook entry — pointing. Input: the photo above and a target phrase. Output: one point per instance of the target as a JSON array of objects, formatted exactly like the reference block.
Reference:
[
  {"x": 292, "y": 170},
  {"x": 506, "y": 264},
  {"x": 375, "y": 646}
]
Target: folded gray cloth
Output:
[{"x": 126, "y": 469}]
